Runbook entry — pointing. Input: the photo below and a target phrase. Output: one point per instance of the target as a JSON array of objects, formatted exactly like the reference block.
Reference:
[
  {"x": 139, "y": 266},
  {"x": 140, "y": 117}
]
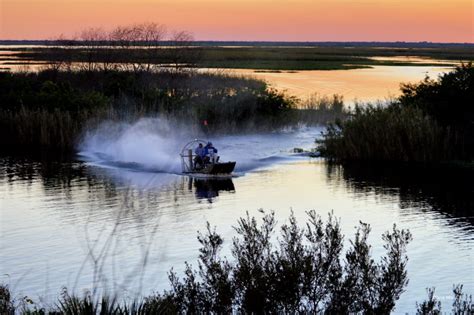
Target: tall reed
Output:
[
  {"x": 431, "y": 121},
  {"x": 386, "y": 134}
]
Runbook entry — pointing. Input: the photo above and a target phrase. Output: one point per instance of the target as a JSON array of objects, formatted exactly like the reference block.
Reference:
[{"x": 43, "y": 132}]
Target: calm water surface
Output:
[
  {"x": 95, "y": 223},
  {"x": 357, "y": 85}
]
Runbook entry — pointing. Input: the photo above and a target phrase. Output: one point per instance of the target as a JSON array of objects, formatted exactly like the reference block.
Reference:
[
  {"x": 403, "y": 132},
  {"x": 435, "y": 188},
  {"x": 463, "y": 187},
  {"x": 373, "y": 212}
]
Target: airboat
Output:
[{"x": 211, "y": 168}]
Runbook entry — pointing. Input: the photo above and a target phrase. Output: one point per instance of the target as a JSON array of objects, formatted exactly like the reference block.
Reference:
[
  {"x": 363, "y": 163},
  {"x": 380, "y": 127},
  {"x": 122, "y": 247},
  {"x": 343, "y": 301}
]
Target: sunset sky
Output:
[{"x": 271, "y": 20}]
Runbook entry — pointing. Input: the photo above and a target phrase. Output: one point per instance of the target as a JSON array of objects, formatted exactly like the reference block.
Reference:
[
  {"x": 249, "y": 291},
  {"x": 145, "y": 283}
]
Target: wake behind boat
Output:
[{"x": 200, "y": 158}]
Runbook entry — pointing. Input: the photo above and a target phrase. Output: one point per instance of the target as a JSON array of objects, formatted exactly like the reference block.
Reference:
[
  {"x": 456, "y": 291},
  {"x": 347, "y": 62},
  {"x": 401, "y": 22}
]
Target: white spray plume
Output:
[
  {"x": 150, "y": 142},
  {"x": 155, "y": 143}
]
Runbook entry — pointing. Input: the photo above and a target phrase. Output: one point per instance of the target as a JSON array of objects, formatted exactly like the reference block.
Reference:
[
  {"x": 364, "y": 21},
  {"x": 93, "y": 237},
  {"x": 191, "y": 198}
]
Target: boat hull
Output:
[{"x": 215, "y": 169}]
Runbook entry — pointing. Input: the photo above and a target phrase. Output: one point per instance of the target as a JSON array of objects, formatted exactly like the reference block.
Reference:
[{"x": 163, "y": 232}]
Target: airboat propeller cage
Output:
[
  {"x": 187, "y": 161},
  {"x": 187, "y": 155}
]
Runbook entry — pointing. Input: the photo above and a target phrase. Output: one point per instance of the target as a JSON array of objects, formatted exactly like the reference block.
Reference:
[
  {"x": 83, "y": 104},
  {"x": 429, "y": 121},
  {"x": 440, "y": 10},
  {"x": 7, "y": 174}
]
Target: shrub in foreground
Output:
[
  {"x": 304, "y": 273},
  {"x": 462, "y": 303},
  {"x": 304, "y": 270}
]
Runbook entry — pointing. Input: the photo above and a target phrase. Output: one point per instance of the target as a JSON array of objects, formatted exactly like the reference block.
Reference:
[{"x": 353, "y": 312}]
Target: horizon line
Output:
[{"x": 264, "y": 41}]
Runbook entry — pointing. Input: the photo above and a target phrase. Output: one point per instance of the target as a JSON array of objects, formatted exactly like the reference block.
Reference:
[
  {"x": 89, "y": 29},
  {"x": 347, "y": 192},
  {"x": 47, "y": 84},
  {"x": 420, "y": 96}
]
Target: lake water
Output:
[
  {"x": 119, "y": 217},
  {"x": 357, "y": 85}
]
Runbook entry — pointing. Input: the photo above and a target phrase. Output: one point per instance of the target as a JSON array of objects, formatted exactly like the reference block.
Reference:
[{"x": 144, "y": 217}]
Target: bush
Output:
[
  {"x": 304, "y": 274},
  {"x": 431, "y": 121},
  {"x": 303, "y": 271},
  {"x": 6, "y": 304},
  {"x": 51, "y": 109},
  {"x": 462, "y": 303},
  {"x": 385, "y": 134},
  {"x": 449, "y": 101}
]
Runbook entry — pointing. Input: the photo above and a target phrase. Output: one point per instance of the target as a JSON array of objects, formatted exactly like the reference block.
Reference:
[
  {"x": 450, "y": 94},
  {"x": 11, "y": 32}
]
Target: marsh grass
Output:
[
  {"x": 322, "y": 57},
  {"x": 386, "y": 134},
  {"x": 52, "y": 109},
  {"x": 322, "y": 110},
  {"x": 432, "y": 121}
]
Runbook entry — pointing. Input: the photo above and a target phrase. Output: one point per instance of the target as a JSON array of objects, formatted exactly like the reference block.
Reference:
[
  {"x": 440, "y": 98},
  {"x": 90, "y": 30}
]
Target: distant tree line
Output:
[{"x": 136, "y": 47}]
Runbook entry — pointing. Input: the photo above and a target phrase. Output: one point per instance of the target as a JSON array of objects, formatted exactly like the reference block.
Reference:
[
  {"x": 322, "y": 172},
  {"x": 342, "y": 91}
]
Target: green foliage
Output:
[
  {"x": 449, "y": 101},
  {"x": 385, "y": 134},
  {"x": 304, "y": 274},
  {"x": 462, "y": 303},
  {"x": 324, "y": 57},
  {"x": 47, "y": 91},
  {"x": 51, "y": 109},
  {"x": 432, "y": 121},
  {"x": 6, "y": 304},
  {"x": 302, "y": 271}
]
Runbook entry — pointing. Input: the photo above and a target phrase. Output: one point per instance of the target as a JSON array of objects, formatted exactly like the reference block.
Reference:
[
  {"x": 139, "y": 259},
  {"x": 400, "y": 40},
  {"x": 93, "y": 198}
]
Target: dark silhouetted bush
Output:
[
  {"x": 462, "y": 303},
  {"x": 432, "y": 121},
  {"x": 304, "y": 273},
  {"x": 304, "y": 270}
]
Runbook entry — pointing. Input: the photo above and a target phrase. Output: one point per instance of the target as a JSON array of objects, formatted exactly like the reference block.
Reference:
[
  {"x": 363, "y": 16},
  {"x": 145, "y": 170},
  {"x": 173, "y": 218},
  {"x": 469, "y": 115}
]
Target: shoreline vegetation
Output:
[
  {"x": 305, "y": 270},
  {"x": 125, "y": 44},
  {"x": 51, "y": 109},
  {"x": 431, "y": 122},
  {"x": 121, "y": 75}
]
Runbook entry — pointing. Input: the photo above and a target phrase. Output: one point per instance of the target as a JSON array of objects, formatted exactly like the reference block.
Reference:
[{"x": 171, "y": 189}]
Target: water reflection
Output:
[
  {"x": 361, "y": 85},
  {"x": 71, "y": 209},
  {"x": 209, "y": 188},
  {"x": 67, "y": 178},
  {"x": 447, "y": 191}
]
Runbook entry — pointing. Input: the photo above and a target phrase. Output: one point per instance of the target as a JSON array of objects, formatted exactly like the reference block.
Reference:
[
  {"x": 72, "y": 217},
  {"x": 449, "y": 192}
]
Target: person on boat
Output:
[
  {"x": 210, "y": 154},
  {"x": 200, "y": 154}
]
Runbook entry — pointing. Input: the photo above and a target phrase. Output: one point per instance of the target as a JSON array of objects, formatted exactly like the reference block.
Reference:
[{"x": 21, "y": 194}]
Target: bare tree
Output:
[
  {"x": 135, "y": 47},
  {"x": 151, "y": 35},
  {"x": 126, "y": 38},
  {"x": 94, "y": 39},
  {"x": 182, "y": 54},
  {"x": 62, "y": 54}
]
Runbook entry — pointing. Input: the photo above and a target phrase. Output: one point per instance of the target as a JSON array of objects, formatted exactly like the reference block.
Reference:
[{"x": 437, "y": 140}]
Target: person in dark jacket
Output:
[
  {"x": 199, "y": 158},
  {"x": 210, "y": 154}
]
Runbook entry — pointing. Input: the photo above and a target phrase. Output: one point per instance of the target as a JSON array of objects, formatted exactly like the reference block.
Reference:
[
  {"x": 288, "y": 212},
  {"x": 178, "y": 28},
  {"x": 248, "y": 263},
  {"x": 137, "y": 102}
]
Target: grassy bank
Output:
[
  {"x": 255, "y": 57},
  {"x": 50, "y": 110},
  {"x": 432, "y": 121}
]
